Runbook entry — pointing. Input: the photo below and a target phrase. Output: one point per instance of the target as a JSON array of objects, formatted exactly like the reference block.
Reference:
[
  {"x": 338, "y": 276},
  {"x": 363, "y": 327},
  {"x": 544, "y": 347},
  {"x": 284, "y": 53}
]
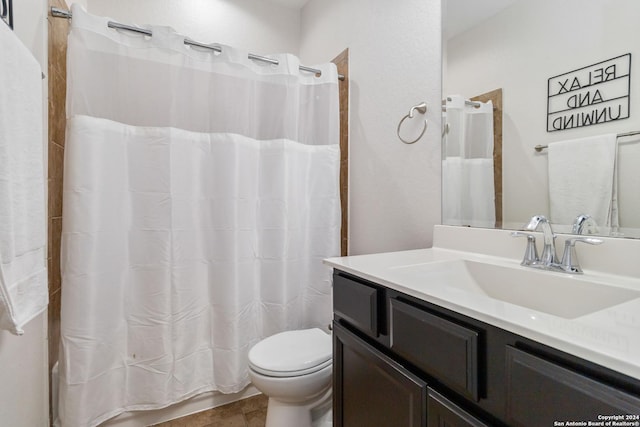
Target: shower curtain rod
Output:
[
  {"x": 539, "y": 148},
  {"x": 474, "y": 104},
  {"x": 66, "y": 14},
  {"x": 466, "y": 102}
]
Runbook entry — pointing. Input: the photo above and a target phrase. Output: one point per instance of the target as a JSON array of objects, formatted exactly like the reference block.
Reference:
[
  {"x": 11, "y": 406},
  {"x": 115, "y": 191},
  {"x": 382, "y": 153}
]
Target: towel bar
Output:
[{"x": 539, "y": 147}]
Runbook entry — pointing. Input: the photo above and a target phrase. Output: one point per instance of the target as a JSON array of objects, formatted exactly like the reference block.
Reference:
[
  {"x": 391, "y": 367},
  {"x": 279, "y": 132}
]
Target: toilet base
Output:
[{"x": 285, "y": 414}]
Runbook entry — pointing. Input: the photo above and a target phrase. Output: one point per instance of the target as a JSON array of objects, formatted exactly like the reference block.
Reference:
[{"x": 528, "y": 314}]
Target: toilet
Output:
[{"x": 293, "y": 369}]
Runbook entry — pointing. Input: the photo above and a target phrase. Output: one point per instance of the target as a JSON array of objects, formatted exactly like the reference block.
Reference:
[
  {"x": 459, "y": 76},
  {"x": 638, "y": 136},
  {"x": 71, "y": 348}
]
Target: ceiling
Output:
[
  {"x": 460, "y": 15},
  {"x": 294, "y": 4}
]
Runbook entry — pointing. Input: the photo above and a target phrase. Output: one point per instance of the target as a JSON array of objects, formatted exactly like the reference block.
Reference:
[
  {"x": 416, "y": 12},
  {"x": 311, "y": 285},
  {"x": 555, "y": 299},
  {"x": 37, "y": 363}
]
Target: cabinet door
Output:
[
  {"x": 441, "y": 412},
  {"x": 446, "y": 350},
  {"x": 540, "y": 393},
  {"x": 370, "y": 389}
]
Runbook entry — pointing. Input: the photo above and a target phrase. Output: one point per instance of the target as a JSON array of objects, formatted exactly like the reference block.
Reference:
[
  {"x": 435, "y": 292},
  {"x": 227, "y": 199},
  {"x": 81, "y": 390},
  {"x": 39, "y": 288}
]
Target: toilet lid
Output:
[{"x": 292, "y": 353}]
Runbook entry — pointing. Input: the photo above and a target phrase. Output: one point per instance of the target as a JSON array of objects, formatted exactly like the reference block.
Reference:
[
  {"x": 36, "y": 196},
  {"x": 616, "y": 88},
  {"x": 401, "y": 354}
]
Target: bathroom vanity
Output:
[{"x": 422, "y": 338}]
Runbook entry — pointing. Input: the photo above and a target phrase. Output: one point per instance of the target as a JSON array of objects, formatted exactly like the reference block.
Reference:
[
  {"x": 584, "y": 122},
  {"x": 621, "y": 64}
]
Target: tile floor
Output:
[{"x": 250, "y": 412}]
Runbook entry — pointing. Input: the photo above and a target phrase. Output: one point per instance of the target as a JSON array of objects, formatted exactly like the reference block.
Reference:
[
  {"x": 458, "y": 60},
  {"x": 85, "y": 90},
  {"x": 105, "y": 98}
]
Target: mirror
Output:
[{"x": 518, "y": 46}]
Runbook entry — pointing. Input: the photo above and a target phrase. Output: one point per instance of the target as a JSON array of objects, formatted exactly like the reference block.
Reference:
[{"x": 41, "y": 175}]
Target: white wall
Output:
[
  {"x": 518, "y": 50},
  {"x": 24, "y": 387},
  {"x": 258, "y": 26},
  {"x": 394, "y": 63}
]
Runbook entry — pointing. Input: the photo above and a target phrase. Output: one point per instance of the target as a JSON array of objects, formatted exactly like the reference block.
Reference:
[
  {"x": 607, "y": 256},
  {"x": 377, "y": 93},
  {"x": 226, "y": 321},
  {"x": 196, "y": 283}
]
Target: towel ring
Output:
[
  {"x": 420, "y": 108},
  {"x": 445, "y": 129}
]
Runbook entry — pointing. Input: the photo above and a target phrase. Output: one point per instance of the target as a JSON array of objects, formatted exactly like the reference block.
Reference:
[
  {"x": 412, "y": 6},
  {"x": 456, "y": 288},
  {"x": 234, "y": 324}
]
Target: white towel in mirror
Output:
[{"x": 583, "y": 180}]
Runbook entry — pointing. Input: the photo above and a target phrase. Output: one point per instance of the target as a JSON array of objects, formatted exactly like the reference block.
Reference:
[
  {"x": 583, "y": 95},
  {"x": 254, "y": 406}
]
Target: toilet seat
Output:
[{"x": 292, "y": 353}]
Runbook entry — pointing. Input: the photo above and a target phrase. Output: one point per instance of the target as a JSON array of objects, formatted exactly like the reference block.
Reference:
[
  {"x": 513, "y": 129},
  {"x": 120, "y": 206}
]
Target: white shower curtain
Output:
[
  {"x": 468, "y": 191},
  {"x": 200, "y": 196}
]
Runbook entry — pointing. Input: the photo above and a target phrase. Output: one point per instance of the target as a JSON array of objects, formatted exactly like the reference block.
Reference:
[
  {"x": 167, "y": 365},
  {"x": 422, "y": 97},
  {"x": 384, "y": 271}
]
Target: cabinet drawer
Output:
[
  {"x": 357, "y": 303},
  {"x": 441, "y": 412},
  {"x": 540, "y": 392},
  {"x": 443, "y": 349}
]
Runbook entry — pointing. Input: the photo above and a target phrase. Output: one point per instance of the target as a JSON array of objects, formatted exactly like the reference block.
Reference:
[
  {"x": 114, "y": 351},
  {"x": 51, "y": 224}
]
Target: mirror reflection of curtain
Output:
[{"x": 467, "y": 167}]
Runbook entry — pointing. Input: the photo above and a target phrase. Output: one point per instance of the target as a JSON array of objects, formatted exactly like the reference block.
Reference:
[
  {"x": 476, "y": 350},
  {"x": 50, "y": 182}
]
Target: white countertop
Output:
[{"x": 609, "y": 337}]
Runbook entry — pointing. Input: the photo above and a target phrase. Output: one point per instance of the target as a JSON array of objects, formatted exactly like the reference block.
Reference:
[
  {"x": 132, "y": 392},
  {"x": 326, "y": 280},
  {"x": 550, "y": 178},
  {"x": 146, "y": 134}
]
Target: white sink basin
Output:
[{"x": 559, "y": 294}]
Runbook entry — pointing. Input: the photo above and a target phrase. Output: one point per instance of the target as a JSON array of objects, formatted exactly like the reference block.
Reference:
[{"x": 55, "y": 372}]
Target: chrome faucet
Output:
[
  {"x": 549, "y": 260},
  {"x": 531, "y": 254},
  {"x": 584, "y": 224},
  {"x": 570, "y": 258},
  {"x": 548, "y": 257}
]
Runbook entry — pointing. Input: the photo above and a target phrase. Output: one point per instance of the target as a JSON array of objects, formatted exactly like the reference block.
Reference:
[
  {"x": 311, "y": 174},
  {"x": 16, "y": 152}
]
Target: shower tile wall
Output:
[{"x": 58, "y": 29}]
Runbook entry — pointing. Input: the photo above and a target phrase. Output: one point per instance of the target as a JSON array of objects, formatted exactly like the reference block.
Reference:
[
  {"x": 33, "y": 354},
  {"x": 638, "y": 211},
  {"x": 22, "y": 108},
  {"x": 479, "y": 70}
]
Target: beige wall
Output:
[{"x": 394, "y": 63}]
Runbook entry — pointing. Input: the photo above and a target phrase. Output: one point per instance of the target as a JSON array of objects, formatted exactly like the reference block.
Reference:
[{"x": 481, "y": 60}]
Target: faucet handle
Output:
[
  {"x": 531, "y": 253},
  {"x": 570, "y": 257},
  {"x": 584, "y": 224},
  {"x": 590, "y": 240}
]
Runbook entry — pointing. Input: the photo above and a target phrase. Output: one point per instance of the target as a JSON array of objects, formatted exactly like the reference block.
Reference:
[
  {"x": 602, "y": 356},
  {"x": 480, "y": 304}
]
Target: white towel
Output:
[
  {"x": 583, "y": 180},
  {"x": 23, "y": 273}
]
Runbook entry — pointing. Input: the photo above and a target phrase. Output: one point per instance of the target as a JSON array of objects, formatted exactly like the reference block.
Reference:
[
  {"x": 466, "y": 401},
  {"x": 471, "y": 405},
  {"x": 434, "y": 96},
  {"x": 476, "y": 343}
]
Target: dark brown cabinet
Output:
[
  {"x": 540, "y": 392},
  {"x": 401, "y": 361},
  {"x": 441, "y": 412},
  {"x": 438, "y": 346},
  {"x": 371, "y": 389},
  {"x": 358, "y": 303}
]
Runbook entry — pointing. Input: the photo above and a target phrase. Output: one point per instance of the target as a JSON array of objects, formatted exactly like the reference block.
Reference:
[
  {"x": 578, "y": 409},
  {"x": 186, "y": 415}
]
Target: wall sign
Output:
[
  {"x": 591, "y": 95},
  {"x": 6, "y": 11}
]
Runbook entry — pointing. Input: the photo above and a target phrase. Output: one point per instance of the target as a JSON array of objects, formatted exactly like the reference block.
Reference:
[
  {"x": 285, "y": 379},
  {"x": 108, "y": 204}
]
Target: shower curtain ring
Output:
[{"x": 420, "y": 108}]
